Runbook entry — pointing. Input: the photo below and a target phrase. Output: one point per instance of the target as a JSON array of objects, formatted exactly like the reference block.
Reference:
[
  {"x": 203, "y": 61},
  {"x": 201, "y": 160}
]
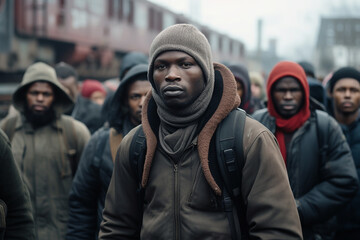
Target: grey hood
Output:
[
  {"x": 42, "y": 72},
  {"x": 130, "y": 60}
]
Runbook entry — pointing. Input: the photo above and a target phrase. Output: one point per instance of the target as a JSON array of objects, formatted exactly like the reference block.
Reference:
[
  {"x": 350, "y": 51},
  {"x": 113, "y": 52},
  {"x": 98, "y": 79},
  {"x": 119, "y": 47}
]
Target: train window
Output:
[
  {"x": 115, "y": 8},
  {"x": 151, "y": 18},
  {"x": 141, "y": 15},
  {"x": 127, "y": 10},
  {"x": 111, "y": 8},
  {"x": 155, "y": 19}
]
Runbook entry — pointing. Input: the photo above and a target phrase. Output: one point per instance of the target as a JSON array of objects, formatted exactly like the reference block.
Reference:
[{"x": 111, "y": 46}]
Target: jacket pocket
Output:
[
  {"x": 3, "y": 212},
  {"x": 202, "y": 197}
]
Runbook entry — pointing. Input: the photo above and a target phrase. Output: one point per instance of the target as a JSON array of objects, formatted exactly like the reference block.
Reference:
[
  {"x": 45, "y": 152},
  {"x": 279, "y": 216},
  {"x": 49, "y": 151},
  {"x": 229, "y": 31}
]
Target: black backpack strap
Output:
[
  {"x": 230, "y": 157},
  {"x": 70, "y": 140},
  {"x": 100, "y": 148},
  {"x": 322, "y": 128},
  {"x": 137, "y": 154}
]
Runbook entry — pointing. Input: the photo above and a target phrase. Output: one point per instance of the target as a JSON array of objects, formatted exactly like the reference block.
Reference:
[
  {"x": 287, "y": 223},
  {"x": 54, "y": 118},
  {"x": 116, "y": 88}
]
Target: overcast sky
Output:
[{"x": 293, "y": 23}]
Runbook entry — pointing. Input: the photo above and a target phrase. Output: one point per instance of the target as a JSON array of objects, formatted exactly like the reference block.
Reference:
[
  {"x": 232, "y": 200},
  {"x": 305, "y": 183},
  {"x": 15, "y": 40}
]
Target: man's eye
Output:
[
  {"x": 47, "y": 94},
  {"x": 186, "y": 64},
  {"x": 159, "y": 66},
  {"x": 134, "y": 97}
]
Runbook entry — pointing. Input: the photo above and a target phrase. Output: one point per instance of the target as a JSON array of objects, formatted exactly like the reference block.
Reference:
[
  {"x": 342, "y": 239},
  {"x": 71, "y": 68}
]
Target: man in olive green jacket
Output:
[
  {"x": 46, "y": 145},
  {"x": 16, "y": 219},
  {"x": 190, "y": 96}
]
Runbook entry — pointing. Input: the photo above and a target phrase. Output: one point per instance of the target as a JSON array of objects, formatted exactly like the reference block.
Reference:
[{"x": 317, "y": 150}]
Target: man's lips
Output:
[
  {"x": 39, "y": 108},
  {"x": 288, "y": 107},
  {"x": 347, "y": 104},
  {"x": 172, "y": 91}
]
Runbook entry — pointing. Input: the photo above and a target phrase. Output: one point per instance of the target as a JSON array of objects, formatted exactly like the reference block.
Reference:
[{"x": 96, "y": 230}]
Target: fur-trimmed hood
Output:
[{"x": 224, "y": 100}]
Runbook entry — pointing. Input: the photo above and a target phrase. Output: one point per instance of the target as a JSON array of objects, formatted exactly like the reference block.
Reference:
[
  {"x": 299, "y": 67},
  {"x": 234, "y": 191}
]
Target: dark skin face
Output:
[
  {"x": 178, "y": 78},
  {"x": 239, "y": 88},
  {"x": 40, "y": 97},
  {"x": 288, "y": 96},
  {"x": 346, "y": 97},
  {"x": 136, "y": 96}
]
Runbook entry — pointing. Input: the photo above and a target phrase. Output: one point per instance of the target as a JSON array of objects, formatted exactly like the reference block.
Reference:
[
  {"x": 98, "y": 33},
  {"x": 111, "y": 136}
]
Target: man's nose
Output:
[
  {"x": 40, "y": 97},
  {"x": 347, "y": 93},
  {"x": 172, "y": 74},
  {"x": 288, "y": 95}
]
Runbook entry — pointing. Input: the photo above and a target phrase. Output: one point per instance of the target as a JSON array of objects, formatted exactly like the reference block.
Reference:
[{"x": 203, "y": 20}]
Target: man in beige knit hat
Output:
[{"x": 178, "y": 192}]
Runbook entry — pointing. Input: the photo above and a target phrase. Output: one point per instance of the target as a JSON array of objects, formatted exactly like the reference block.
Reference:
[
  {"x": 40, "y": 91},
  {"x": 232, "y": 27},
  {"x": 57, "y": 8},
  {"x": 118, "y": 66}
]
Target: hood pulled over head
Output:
[
  {"x": 118, "y": 110},
  {"x": 42, "y": 72}
]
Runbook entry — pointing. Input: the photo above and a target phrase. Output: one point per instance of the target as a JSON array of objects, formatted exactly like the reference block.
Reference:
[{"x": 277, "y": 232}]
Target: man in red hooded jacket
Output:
[{"x": 321, "y": 184}]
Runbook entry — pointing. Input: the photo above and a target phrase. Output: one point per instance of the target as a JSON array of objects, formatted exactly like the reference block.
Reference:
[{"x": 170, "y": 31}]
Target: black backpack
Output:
[{"x": 230, "y": 159}]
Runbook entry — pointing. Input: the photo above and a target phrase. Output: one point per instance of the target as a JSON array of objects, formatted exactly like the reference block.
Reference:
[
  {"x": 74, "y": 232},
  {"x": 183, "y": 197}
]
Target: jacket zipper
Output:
[
  {"x": 177, "y": 203},
  {"x": 177, "y": 195}
]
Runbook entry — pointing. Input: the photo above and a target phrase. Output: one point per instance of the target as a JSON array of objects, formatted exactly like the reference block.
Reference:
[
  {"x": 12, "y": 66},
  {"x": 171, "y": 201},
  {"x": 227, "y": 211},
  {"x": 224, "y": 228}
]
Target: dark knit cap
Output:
[
  {"x": 308, "y": 68},
  {"x": 345, "y": 72}
]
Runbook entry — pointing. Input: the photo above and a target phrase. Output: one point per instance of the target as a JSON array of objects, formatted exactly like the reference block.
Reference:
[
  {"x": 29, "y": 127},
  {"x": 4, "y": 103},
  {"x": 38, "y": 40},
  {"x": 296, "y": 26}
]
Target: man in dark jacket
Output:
[
  {"x": 321, "y": 186},
  {"x": 84, "y": 110},
  {"x": 190, "y": 96},
  {"x": 16, "y": 219},
  {"x": 345, "y": 92},
  {"x": 46, "y": 145},
  {"x": 317, "y": 91},
  {"x": 93, "y": 176},
  {"x": 243, "y": 86}
]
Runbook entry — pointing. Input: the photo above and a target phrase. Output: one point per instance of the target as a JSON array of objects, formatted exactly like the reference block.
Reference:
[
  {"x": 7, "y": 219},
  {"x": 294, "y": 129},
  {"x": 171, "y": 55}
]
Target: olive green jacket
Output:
[{"x": 42, "y": 155}]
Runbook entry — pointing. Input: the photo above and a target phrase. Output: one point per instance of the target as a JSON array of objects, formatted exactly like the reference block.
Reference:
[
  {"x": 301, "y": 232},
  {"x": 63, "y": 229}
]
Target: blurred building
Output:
[{"x": 338, "y": 44}]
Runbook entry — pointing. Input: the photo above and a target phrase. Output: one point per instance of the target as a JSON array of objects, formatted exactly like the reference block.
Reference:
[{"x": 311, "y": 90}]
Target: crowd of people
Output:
[{"x": 181, "y": 147}]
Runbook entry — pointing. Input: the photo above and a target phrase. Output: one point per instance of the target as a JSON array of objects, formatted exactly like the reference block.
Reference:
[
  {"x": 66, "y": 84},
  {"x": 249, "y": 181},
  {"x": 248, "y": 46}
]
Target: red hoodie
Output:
[{"x": 286, "y": 69}]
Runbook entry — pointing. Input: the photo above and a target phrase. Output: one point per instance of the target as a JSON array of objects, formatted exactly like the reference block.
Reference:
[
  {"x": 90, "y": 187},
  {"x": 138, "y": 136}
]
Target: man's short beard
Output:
[{"x": 39, "y": 119}]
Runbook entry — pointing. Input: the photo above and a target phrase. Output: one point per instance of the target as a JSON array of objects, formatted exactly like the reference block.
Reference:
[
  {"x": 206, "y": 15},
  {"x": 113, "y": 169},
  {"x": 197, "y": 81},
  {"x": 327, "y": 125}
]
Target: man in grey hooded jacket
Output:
[{"x": 43, "y": 152}]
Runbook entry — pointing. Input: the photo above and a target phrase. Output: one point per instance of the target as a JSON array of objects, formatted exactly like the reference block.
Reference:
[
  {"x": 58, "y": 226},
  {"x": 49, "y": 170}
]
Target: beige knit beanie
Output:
[{"x": 185, "y": 38}]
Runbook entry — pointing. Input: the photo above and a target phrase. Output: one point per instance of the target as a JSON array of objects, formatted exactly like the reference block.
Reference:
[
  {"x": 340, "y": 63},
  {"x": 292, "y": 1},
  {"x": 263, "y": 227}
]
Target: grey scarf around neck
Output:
[{"x": 178, "y": 126}]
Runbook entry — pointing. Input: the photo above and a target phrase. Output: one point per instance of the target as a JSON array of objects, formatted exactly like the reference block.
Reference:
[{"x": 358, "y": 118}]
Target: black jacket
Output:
[
  {"x": 15, "y": 205},
  {"x": 349, "y": 217},
  {"x": 88, "y": 113},
  {"x": 320, "y": 188},
  {"x": 95, "y": 169}
]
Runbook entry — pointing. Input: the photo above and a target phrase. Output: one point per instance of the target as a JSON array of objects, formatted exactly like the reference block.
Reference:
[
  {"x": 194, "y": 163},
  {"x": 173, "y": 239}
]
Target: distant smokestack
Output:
[
  {"x": 272, "y": 46},
  {"x": 259, "y": 36}
]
